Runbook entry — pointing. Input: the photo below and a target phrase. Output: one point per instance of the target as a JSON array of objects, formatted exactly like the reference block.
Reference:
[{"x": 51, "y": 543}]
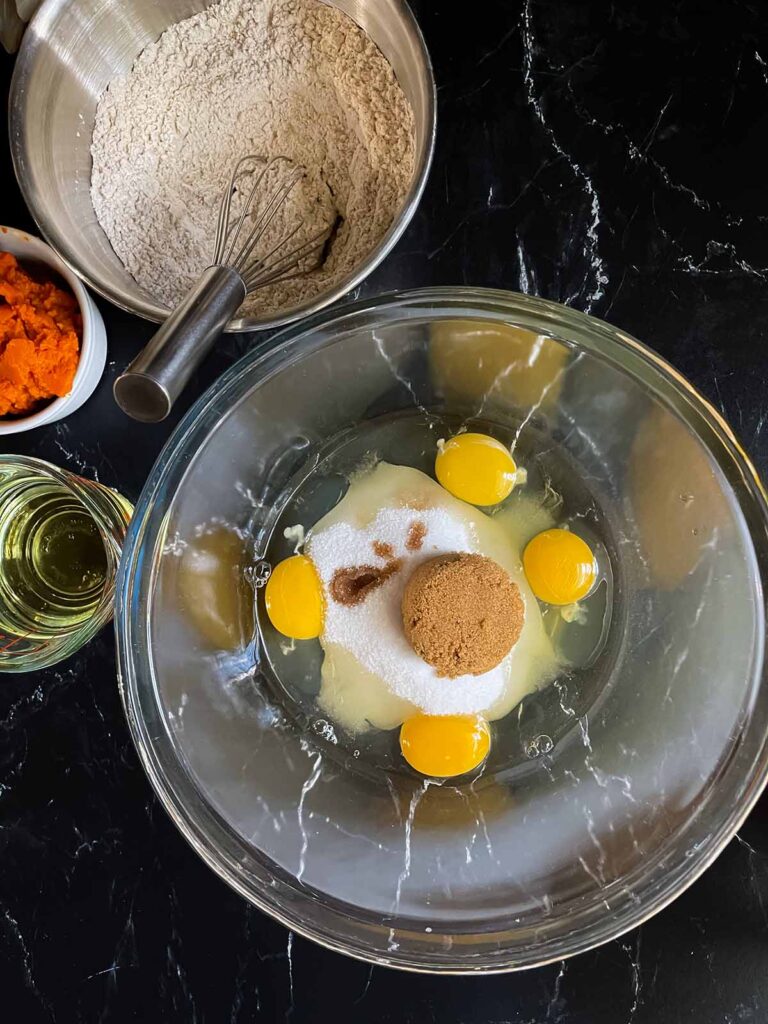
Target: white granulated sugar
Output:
[
  {"x": 294, "y": 78},
  {"x": 373, "y": 631}
]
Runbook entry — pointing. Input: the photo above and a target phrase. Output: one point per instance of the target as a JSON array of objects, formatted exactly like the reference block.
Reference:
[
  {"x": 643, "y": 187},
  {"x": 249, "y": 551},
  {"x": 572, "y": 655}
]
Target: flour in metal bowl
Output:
[{"x": 296, "y": 78}]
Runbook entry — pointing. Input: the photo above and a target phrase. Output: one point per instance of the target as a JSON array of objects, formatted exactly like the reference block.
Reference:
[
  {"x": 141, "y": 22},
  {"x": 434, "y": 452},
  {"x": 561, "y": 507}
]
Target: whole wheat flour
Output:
[{"x": 270, "y": 77}]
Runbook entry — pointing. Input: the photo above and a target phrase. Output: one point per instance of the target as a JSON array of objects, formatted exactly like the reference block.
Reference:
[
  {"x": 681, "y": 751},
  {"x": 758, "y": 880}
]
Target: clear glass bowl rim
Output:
[{"x": 269, "y": 888}]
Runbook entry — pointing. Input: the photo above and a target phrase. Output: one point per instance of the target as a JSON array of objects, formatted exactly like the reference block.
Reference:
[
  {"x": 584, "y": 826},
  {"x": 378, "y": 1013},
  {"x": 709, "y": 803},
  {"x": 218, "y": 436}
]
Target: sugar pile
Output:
[{"x": 373, "y": 632}]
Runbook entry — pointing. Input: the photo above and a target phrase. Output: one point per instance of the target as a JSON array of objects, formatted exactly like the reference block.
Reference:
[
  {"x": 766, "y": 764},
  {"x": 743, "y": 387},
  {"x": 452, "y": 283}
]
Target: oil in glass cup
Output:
[{"x": 60, "y": 542}]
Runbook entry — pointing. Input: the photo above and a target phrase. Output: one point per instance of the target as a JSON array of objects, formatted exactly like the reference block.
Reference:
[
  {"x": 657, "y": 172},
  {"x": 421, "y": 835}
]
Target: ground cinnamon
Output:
[
  {"x": 417, "y": 531},
  {"x": 352, "y": 584}
]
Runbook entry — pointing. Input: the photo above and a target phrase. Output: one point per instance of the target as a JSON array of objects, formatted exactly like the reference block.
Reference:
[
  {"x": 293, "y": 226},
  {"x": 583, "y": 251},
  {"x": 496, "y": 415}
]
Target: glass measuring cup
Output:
[{"x": 60, "y": 542}]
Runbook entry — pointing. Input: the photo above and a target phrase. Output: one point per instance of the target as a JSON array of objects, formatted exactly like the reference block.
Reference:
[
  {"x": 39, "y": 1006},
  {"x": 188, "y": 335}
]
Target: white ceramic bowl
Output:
[{"x": 93, "y": 347}]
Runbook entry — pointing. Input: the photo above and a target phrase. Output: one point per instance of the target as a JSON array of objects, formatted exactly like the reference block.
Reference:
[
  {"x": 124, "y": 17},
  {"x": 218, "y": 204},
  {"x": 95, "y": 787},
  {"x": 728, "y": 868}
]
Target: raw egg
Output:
[
  {"x": 294, "y": 599},
  {"x": 445, "y": 745},
  {"x": 559, "y": 566},
  {"x": 476, "y": 468}
]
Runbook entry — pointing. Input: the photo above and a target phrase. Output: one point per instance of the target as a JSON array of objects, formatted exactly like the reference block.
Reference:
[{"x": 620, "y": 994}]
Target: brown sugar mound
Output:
[{"x": 462, "y": 613}]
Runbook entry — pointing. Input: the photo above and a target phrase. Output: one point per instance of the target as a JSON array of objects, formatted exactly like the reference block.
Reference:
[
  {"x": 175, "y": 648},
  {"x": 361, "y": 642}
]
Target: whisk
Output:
[{"x": 147, "y": 389}]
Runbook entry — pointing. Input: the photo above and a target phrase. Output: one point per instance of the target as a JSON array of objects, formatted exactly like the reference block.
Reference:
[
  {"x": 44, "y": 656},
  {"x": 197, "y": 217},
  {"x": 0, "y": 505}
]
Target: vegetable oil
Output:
[{"x": 59, "y": 543}]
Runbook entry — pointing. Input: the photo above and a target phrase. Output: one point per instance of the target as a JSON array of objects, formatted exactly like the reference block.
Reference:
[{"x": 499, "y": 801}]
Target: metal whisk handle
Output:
[{"x": 156, "y": 377}]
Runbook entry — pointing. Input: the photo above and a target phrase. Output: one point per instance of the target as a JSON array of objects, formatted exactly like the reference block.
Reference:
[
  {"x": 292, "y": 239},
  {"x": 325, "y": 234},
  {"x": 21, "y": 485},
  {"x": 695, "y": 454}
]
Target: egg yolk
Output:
[
  {"x": 294, "y": 599},
  {"x": 445, "y": 745},
  {"x": 559, "y": 566},
  {"x": 476, "y": 468}
]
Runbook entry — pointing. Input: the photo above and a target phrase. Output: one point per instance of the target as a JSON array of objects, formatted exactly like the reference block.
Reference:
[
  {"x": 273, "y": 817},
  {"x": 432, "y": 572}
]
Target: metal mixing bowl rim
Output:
[
  {"x": 606, "y": 926},
  {"x": 156, "y": 313}
]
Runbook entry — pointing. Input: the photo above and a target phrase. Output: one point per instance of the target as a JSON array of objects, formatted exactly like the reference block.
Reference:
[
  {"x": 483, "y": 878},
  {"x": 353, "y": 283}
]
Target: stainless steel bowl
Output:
[{"x": 71, "y": 52}]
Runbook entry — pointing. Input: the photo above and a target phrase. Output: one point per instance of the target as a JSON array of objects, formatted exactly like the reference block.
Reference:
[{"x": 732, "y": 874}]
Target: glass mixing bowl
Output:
[{"x": 614, "y": 789}]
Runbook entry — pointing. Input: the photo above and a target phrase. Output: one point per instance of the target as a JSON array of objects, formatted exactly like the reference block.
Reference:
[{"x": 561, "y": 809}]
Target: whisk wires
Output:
[{"x": 237, "y": 237}]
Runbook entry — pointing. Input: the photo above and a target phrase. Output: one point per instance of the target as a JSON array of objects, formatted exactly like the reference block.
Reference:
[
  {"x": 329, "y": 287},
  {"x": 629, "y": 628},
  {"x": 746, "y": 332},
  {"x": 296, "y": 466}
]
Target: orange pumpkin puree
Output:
[{"x": 40, "y": 331}]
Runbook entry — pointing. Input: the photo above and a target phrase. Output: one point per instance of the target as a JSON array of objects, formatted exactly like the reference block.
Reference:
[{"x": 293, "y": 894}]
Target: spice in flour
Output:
[{"x": 280, "y": 77}]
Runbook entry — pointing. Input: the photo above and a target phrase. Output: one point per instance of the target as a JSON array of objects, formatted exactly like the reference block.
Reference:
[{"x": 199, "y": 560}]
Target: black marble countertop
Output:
[{"x": 601, "y": 154}]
